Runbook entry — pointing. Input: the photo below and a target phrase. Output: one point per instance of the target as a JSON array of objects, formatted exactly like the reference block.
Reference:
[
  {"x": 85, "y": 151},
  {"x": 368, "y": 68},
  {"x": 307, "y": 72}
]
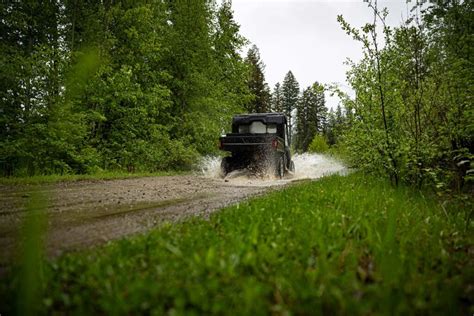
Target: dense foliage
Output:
[
  {"x": 344, "y": 245},
  {"x": 122, "y": 85},
  {"x": 412, "y": 117}
]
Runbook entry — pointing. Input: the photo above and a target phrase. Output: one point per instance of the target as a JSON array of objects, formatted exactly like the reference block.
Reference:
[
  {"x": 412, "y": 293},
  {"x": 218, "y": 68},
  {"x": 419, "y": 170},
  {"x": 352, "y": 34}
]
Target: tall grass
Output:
[
  {"x": 31, "y": 268},
  {"x": 342, "y": 245}
]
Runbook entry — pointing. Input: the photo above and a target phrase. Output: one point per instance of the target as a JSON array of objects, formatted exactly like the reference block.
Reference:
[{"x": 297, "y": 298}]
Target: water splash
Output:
[
  {"x": 308, "y": 166},
  {"x": 314, "y": 166},
  {"x": 210, "y": 166}
]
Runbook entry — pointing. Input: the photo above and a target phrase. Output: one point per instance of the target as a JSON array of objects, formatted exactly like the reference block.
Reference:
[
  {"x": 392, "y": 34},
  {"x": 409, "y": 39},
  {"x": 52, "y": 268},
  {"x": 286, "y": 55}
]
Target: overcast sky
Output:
[{"x": 304, "y": 36}]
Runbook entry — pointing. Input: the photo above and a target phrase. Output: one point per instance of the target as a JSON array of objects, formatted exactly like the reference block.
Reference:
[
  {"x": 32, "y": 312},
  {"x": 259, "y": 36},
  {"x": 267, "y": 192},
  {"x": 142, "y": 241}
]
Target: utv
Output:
[{"x": 259, "y": 143}]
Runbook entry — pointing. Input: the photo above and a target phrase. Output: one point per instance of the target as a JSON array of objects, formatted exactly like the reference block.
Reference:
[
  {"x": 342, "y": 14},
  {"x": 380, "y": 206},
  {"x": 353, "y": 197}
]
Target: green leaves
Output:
[
  {"x": 409, "y": 113},
  {"x": 134, "y": 86}
]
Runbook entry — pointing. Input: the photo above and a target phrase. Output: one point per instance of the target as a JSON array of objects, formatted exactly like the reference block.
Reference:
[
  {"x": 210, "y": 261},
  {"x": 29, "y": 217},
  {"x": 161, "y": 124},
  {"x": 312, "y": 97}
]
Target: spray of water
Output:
[
  {"x": 210, "y": 167},
  {"x": 313, "y": 166},
  {"x": 308, "y": 166}
]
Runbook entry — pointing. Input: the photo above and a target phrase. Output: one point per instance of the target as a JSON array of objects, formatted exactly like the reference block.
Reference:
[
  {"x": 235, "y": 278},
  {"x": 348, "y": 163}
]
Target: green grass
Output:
[
  {"x": 110, "y": 175},
  {"x": 341, "y": 245}
]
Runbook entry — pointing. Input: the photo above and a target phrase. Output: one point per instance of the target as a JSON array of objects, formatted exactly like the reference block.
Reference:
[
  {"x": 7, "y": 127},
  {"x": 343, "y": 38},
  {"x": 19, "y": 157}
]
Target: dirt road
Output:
[{"x": 85, "y": 213}]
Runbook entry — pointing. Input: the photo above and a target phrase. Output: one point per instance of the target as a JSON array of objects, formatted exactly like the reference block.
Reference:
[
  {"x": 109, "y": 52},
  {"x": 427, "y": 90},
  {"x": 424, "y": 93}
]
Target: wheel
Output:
[
  {"x": 292, "y": 166},
  {"x": 225, "y": 166},
  {"x": 280, "y": 170}
]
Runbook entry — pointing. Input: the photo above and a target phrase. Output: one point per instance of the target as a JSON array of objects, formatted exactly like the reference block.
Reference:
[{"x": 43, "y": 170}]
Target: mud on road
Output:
[{"x": 86, "y": 213}]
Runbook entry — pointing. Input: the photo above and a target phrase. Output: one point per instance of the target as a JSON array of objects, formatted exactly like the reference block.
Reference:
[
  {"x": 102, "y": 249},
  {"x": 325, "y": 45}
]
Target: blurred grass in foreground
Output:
[
  {"x": 341, "y": 245},
  {"x": 31, "y": 254}
]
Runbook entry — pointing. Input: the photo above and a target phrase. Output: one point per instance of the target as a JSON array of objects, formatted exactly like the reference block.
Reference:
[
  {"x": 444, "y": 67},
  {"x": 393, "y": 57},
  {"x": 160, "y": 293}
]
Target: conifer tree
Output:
[
  {"x": 302, "y": 111},
  {"x": 291, "y": 90},
  {"x": 330, "y": 127},
  {"x": 256, "y": 83},
  {"x": 311, "y": 116},
  {"x": 277, "y": 99},
  {"x": 318, "y": 113}
]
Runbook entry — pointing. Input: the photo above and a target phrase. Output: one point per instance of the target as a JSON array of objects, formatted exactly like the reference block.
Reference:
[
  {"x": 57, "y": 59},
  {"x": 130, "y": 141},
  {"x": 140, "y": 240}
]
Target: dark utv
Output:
[{"x": 258, "y": 142}]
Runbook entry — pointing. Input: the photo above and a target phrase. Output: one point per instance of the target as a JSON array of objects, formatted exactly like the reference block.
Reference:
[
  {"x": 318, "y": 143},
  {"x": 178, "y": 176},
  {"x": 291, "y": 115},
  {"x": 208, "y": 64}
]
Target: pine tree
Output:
[
  {"x": 266, "y": 99},
  {"x": 291, "y": 90},
  {"x": 335, "y": 125},
  {"x": 318, "y": 113},
  {"x": 339, "y": 115},
  {"x": 311, "y": 116},
  {"x": 256, "y": 83},
  {"x": 330, "y": 127},
  {"x": 302, "y": 136},
  {"x": 277, "y": 99}
]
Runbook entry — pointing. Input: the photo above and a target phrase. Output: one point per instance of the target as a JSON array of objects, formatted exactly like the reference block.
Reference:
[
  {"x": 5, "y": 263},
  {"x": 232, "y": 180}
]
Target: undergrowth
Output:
[{"x": 341, "y": 245}]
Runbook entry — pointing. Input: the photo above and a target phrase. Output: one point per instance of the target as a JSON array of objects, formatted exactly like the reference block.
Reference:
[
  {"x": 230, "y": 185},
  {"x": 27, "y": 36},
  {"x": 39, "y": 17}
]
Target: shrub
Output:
[{"x": 318, "y": 144}]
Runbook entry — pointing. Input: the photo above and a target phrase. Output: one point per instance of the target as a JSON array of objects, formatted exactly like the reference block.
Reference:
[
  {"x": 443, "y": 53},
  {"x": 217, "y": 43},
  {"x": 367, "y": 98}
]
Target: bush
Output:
[{"x": 318, "y": 145}]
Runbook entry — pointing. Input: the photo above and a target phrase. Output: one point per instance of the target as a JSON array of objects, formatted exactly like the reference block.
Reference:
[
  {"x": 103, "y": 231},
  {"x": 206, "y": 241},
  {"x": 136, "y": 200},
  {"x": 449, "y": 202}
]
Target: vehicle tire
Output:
[
  {"x": 225, "y": 166},
  {"x": 292, "y": 166},
  {"x": 280, "y": 171}
]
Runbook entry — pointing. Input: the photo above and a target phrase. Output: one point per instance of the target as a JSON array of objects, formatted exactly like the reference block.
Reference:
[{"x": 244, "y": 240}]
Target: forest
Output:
[
  {"x": 130, "y": 85},
  {"x": 91, "y": 86}
]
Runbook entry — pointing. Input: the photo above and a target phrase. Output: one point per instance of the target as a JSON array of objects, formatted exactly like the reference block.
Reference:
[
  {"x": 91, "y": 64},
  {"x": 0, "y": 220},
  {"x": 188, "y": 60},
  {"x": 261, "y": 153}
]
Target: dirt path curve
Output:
[{"x": 86, "y": 213}]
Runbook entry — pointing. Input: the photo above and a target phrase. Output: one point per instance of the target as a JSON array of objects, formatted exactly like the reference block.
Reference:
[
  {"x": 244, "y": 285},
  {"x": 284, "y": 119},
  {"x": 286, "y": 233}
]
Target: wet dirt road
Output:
[{"x": 86, "y": 213}]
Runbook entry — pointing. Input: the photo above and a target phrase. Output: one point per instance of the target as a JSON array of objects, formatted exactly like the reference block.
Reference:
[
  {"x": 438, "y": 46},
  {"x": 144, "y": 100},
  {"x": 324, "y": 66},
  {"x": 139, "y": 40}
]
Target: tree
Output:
[
  {"x": 232, "y": 69},
  {"x": 302, "y": 123},
  {"x": 291, "y": 90},
  {"x": 277, "y": 99},
  {"x": 334, "y": 125},
  {"x": 374, "y": 106},
  {"x": 129, "y": 85},
  {"x": 318, "y": 112},
  {"x": 311, "y": 116},
  {"x": 256, "y": 83},
  {"x": 409, "y": 119},
  {"x": 39, "y": 131}
]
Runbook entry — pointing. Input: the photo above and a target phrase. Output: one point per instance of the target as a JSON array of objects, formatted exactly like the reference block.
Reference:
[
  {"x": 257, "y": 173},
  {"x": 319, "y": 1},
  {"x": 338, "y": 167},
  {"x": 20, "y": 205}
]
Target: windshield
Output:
[{"x": 258, "y": 127}]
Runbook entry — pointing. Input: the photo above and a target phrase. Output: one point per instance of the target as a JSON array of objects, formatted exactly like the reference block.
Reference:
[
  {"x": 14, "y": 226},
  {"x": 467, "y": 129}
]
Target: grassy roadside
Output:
[
  {"x": 81, "y": 177},
  {"x": 341, "y": 245}
]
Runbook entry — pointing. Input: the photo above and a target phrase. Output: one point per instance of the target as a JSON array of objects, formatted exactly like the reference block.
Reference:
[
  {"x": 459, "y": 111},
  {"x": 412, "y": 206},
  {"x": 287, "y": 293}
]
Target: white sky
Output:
[{"x": 304, "y": 36}]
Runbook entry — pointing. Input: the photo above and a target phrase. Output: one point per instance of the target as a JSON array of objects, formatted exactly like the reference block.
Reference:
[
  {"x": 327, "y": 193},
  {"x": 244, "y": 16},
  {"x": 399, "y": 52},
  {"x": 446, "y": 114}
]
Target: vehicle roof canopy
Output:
[{"x": 266, "y": 118}]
